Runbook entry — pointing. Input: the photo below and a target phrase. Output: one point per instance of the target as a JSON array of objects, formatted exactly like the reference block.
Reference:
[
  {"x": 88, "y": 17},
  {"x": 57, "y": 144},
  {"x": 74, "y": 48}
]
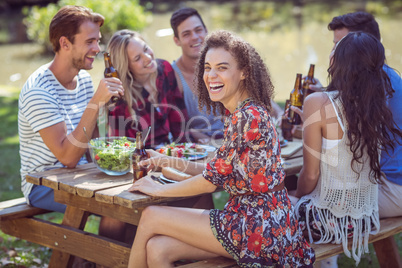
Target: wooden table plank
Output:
[
  {"x": 293, "y": 166},
  {"x": 108, "y": 195},
  {"x": 36, "y": 178},
  {"x": 292, "y": 147}
]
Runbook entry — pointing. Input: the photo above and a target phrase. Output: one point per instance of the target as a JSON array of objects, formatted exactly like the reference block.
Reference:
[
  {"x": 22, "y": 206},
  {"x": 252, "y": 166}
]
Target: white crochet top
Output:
[{"x": 341, "y": 195}]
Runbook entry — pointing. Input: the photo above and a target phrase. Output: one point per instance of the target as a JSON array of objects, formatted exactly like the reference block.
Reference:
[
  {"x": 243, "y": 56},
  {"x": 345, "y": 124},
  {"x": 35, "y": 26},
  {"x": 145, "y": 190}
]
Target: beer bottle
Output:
[
  {"x": 139, "y": 154},
  {"x": 286, "y": 127},
  {"x": 296, "y": 99},
  {"x": 309, "y": 80},
  {"x": 110, "y": 71}
]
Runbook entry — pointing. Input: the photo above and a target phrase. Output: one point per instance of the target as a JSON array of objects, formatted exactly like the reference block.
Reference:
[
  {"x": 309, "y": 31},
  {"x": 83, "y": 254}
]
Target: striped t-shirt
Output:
[{"x": 44, "y": 102}]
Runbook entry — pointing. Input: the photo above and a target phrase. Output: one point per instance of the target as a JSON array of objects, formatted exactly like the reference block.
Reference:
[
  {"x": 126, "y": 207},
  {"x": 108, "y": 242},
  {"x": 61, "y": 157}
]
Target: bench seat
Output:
[
  {"x": 18, "y": 208},
  {"x": 389, "y": 227},
  {"x": 16, "y": 220}
]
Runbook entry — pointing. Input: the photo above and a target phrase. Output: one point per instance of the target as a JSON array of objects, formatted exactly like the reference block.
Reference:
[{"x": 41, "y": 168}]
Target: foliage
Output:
[
  {"x": 122, "y": 14},
  {"x": 10, "y": 181}
]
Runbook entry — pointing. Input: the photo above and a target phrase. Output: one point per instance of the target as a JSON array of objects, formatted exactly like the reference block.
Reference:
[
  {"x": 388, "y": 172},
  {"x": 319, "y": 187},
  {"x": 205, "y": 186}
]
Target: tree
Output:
[{"x": 122, "y": 14}]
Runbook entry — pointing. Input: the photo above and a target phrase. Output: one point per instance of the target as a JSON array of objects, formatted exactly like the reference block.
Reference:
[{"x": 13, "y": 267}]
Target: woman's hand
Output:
[
  {"x": 317, "y": 87},
  {"x": 146, "y": 185},
  {"x": 155, "y": 160},
  {"x": 298, "y": 111}
]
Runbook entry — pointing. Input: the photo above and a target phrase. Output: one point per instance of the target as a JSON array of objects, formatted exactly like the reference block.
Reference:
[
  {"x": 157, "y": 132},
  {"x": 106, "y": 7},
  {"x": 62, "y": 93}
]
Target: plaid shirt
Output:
[{"x": 168, "y": 116}]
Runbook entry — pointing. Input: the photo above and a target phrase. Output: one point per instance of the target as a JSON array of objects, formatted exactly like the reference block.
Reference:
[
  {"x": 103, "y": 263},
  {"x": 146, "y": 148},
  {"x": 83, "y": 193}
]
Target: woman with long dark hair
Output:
[{"x": 344, "y": 130}]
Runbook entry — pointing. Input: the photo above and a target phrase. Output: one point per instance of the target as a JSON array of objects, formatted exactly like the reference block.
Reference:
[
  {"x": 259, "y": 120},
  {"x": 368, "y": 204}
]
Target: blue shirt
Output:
[
  {"x": 391, "y": 164},
  {"x": 209, "y": 124}
]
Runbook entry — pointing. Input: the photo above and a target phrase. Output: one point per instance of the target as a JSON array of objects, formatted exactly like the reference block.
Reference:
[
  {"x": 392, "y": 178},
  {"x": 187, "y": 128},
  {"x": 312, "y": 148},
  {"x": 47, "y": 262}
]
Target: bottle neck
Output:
[
  {"x": 108, "y": 61},
  {"x": 311, "y": 71},
  {"x": 139, "y": 143},
  {"x": 298, "y": 81}
]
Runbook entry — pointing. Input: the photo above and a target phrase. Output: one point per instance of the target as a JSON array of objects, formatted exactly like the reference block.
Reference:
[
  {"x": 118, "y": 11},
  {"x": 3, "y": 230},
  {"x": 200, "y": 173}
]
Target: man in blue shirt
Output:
[{"x": 390, "y": 191}]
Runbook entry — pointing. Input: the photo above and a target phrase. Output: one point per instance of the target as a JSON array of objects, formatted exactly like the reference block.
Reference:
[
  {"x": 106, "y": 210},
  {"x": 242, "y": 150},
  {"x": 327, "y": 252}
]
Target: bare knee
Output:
[
  {"x": 149, "y": 217},
  {"x": 158, "y": 252}
]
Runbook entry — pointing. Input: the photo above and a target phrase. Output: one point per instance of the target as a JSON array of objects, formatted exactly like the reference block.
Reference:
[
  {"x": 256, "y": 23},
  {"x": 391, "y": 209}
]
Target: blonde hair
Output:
[{"x": 117, "y": 48}]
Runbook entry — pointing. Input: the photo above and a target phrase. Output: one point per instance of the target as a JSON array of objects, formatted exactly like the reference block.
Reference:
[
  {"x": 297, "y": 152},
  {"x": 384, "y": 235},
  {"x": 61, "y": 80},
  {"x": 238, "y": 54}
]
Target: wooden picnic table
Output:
[{"x": 86, "y": 190}]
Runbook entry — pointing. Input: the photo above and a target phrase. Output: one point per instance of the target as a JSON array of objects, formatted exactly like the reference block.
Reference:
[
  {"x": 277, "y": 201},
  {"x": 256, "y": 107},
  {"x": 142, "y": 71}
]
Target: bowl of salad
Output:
[{"x": 112, "y": 155}]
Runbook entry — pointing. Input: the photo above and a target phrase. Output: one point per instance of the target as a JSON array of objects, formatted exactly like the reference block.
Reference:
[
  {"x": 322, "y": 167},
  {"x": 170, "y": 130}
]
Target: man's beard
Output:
[{"x": 79, "y": 64}]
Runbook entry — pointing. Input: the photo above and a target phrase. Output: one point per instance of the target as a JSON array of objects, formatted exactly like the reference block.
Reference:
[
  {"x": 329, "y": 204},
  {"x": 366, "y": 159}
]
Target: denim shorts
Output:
[{"x": 43, "y": 197}]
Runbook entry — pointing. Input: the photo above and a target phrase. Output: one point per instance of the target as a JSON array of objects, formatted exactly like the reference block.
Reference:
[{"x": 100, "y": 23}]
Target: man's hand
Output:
[{"x": 107, "y": 88}]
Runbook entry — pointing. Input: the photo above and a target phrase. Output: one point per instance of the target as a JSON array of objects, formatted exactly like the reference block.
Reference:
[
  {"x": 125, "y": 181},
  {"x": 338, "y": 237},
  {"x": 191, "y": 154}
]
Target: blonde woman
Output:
[{"x": 151, "y": 96}]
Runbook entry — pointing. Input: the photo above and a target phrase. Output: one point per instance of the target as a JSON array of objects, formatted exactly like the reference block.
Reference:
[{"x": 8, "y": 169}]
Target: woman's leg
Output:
[
  {"x": 190, "y": 226},
  {"x": 163, "y": 251}
]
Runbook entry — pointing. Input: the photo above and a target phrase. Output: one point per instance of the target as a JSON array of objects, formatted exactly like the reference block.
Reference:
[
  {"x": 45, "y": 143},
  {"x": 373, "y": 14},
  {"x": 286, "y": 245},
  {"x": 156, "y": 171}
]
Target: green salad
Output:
[{"x": 112, "y": 155}]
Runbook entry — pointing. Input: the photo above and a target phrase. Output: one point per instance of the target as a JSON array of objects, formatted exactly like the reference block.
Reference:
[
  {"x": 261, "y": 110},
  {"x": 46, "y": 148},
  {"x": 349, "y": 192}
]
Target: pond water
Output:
[{"x": 289, "y": 37}]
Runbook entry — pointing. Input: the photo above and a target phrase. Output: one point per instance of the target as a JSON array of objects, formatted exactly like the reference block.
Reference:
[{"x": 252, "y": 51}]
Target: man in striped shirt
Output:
[{"x": 58, "y": 101}]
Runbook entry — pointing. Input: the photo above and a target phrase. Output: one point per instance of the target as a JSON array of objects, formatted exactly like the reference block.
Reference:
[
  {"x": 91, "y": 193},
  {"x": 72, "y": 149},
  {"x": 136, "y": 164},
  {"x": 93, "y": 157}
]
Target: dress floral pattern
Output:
[{"x": 257, "y": 227}]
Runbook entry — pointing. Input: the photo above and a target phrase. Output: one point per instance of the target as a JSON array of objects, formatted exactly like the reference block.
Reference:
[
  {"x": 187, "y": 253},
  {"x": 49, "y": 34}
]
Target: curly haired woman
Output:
[
  {"x": 344, "y": 130},
  {"x": 257, "y": 226}
]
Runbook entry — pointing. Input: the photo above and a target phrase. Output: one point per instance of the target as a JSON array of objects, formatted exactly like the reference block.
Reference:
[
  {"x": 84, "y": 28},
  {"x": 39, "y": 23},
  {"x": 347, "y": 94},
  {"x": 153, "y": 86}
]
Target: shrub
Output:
[{"x": 122, "y": 14}]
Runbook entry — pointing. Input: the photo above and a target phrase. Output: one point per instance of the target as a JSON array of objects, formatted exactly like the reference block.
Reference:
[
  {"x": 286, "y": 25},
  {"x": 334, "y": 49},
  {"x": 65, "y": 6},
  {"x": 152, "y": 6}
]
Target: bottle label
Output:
[
  {"x": 296, "y": 100},
  {"x": 138, "y": 172}
]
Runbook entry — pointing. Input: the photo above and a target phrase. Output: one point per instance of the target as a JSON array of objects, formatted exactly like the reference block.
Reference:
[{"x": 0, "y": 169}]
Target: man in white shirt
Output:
[{"x": 58, "y": 101}]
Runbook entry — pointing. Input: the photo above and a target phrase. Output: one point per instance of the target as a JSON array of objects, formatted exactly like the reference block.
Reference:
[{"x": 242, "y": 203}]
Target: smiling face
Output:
[
  {"x": 141, "y": 60},
  {"x": 191, "y": 35},
  {"x": 86, "y": 46},
  {"x": 223, "y": 78}
]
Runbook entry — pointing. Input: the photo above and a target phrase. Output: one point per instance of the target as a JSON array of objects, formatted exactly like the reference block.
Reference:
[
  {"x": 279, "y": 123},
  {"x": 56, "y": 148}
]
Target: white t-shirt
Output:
[{"x": 44, "y": 102}]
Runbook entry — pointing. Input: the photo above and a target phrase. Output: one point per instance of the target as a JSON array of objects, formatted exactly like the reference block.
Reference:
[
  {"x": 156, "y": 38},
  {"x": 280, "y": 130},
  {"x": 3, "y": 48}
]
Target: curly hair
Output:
[
  {"x": 257, "y": 80},
  {"x": 356, "y": 72}
]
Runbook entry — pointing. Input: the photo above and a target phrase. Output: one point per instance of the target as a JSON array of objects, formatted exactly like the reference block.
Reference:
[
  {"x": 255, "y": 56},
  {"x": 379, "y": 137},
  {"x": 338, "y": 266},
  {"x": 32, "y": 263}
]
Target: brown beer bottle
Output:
[
  {"x": 286, "y": 127},
  {"x": 139, "y": 154},
  {"x": 296, "y": 99},
  {"x": 110, "y": 71},
  {"x": 309, "y": 80}
]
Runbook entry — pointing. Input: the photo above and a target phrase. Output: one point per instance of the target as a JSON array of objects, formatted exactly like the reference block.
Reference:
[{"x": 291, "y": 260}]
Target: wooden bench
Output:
[
  {"x": 384, "y": 244},
  {"x": 17, "y": 208},
  {"x": 16, "y": 219}
]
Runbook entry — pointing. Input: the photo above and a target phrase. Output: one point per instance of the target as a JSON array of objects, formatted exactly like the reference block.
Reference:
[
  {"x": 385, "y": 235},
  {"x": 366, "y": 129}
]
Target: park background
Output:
[{"x": 289, "y": 34}]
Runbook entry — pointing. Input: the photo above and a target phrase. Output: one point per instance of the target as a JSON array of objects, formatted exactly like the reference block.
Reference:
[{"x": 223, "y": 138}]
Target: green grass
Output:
[{"x": 9, "y": 146}]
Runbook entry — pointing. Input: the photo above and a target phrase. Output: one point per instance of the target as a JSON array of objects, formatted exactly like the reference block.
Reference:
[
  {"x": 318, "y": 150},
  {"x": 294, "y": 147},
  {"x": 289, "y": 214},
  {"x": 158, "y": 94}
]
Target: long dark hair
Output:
[
  {"x": 357, "y": 73},
  {"x": 257, "y": 80}
]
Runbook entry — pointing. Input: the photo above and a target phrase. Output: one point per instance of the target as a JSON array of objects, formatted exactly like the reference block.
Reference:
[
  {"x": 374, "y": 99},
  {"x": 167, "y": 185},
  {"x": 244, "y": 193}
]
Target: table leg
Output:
[
  {"x": 76, "y": 218},
  {"x": 387, "y": 253}
]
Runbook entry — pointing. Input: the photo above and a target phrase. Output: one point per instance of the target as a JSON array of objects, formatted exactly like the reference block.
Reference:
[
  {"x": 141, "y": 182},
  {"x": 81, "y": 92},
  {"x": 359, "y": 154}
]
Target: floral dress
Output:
[{"x": 256, "y": 227}]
